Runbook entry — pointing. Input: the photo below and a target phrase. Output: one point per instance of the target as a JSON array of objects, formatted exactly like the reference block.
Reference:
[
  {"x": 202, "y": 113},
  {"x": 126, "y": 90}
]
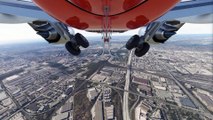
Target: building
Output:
[
  {"x": 107, "y": 94},
  {"x": 140, "y": 81},
  {"x": 110, "y": 112},
  {"x": 141, "y": 111},
  {"x": 174, "y": 89},
  {"x": 157, "y": 115},
  {"x": 3, "y": 96},
  {"x": 116, "y": 77},
  {"x": 92, "y": 93},
  {"x": 145, "y": 89},
  {"x": 164, "y": 94},
  {"x": 98, "y": 78},
  {"x": 157, "y": 85},
  {"x": 18, "y": 116}
]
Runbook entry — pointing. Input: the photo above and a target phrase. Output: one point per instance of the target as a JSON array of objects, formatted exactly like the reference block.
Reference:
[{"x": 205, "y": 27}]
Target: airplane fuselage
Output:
[
  {"x": 51, "y": 19},
  {"x": 106, "y": 15}
]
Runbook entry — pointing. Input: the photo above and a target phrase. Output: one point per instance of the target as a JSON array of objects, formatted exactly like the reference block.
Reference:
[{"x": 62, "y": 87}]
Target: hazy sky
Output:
[{"x": 13, "y": 33}]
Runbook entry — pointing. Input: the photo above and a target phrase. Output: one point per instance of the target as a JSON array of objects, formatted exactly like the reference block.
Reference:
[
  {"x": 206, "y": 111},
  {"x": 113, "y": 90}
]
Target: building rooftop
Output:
[
  {"x": 3, "y": 96},
  {"x": 164, "y": 94},
  {"x": 140, "y": 81},
  {"x": 110, "y": 112},
  {"x": 98, "y": 78},
  {"x": 92, "y": 93},
  {"x": 147, "y": 90}
]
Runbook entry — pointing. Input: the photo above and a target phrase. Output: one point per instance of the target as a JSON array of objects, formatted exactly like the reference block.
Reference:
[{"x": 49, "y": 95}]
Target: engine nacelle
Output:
[
  {"x": 46, "y": 30},
  {"x": 162, "y": 36},
  {"x": 52, "y": 32},
  {"x": 161, "y": 32},
  {"x": 51, "y": 36}
]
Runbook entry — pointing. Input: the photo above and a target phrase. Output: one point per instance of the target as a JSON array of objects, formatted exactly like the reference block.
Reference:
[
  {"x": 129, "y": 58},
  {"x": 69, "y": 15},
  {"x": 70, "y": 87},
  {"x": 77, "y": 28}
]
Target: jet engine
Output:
[
  {"x": 160, "y": 32},
  {"x": 162, "y": 36},
  {"x": 51, "y": 36},
  {"x": 156, "y": 32},
  {"x": 167, "y": 30},
  {"x": 52, "y": 32},
  {"x": 58, "y": 33}
]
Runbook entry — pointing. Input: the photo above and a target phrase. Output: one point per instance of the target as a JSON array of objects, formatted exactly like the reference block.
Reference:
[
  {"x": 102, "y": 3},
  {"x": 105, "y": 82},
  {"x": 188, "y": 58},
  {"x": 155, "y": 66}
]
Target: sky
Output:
[{"x": 19, "y": 33}]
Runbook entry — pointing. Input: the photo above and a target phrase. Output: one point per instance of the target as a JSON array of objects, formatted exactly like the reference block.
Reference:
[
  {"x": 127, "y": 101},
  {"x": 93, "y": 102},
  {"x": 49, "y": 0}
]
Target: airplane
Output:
[{"x": 52, "y": 19}]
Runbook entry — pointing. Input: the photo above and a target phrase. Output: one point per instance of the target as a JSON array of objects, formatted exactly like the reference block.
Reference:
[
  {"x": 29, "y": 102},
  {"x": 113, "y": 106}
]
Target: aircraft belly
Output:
[
  {"x": 91, "y": 15},
  {"x": 97, "y": 6}
]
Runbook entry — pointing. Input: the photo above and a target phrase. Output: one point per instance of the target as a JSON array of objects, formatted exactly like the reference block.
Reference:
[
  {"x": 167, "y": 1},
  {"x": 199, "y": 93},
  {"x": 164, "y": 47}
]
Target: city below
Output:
[{"x": 173, "y": 81}]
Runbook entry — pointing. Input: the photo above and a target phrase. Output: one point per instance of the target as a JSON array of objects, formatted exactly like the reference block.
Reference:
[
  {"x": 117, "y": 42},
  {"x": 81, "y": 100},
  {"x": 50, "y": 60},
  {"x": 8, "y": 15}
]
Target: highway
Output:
[
  {"x": 194, "y": 100},
  {"x": 126, "y": 88}
]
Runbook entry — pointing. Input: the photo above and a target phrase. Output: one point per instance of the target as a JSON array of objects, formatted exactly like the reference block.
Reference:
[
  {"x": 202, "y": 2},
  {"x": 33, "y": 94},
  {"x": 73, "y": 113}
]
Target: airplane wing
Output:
[
  {"x": 187, "y": 11},
  {"x": 190, "y": 8},
  {"x": 25, "y": 11},
  {"x": 23, "y": 8}
]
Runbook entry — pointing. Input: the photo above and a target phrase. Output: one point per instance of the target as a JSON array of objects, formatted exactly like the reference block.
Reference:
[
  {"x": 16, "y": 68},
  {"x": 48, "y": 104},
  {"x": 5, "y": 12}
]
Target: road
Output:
[
  {"x": 126, "y": 88},
  {"x": 195, "y": 101}
]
